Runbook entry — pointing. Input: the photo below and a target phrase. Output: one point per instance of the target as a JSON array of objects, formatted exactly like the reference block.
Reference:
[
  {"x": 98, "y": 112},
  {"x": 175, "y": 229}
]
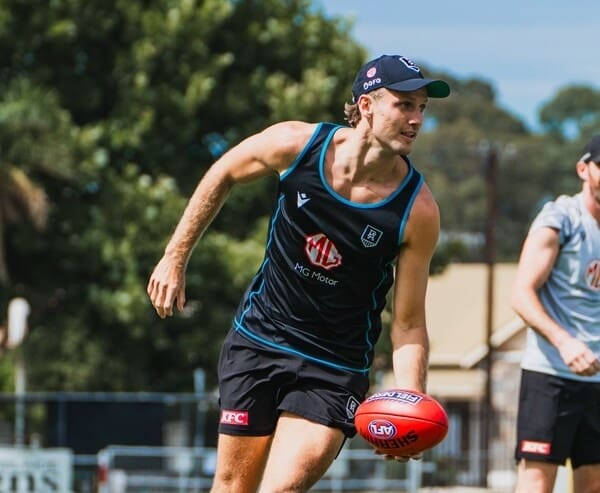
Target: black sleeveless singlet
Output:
[{"x": 328, "y": 265}]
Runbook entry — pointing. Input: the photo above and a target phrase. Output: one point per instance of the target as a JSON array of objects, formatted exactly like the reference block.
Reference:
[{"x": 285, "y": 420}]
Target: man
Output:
[
  {"x": 557, "y": 293},
  {"x": 295, "y": 365}
]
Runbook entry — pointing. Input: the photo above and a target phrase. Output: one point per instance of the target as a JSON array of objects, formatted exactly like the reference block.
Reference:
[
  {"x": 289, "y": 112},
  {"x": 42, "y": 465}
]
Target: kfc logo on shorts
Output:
[
  {"x": 321, "y": 251},
  {"x": 592, "y": 275},
  {"x": 238, "y": 418},
  {"x": 542, "y": 448}
]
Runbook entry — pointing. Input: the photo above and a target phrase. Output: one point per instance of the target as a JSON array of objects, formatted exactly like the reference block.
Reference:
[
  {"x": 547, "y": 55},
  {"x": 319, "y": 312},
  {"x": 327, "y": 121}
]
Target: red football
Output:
[{"x": 401, "y": 422}]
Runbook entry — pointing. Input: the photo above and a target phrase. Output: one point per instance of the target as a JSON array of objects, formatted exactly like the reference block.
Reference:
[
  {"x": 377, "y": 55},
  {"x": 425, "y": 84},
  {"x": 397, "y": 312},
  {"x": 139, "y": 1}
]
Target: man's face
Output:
[
  {"x": 590, "y": 174},
  {"x": 397, "y": 118}
]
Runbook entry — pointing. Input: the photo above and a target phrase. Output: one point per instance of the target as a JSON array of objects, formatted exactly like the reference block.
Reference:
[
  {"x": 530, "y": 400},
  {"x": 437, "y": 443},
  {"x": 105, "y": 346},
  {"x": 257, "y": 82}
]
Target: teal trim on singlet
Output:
[
  {"x": 240, "y": 328},
  {"x": 239, "y": 324},
  {"x": 303, "y": 152},
  {"x": 258, "y": 318},
  {"x": 408, "y": 209},
  {"x": 391, "y": 197},
  {"x": 368, "y": 338}
]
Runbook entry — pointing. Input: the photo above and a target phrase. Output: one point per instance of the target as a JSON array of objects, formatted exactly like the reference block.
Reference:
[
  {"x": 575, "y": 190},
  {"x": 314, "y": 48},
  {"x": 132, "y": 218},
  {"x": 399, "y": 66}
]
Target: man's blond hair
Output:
[{"x": 351, "y": 111}]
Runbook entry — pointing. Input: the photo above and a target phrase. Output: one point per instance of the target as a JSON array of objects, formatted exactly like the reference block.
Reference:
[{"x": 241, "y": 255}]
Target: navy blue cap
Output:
[
  {"x": 398, "y": 73},
  {"x": 591, "y": 151}
]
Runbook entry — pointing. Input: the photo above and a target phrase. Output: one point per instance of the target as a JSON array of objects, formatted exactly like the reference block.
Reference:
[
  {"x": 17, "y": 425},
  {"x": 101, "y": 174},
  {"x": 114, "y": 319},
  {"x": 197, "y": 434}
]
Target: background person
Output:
[{"x": 557, "y": 292}]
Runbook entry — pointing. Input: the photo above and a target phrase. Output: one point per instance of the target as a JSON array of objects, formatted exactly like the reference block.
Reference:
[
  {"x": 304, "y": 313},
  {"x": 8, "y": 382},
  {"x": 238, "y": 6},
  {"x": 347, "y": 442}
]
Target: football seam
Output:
[{"x": 408, "y": 417}]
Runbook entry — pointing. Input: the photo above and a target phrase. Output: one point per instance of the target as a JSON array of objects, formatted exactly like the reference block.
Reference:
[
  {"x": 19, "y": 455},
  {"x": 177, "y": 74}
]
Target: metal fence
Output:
[
  {"x": 180, "y": 469},
  {"x": 165, "y": 442}
]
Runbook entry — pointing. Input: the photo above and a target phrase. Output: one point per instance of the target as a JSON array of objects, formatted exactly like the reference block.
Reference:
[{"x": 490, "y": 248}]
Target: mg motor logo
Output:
[
  {"x": 381, "y": 428},
  {"x": 321, "y": 251}
]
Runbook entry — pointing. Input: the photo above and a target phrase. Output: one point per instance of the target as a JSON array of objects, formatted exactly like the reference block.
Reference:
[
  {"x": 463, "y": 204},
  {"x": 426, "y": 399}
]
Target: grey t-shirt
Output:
[{"x": 571, "y": 295}]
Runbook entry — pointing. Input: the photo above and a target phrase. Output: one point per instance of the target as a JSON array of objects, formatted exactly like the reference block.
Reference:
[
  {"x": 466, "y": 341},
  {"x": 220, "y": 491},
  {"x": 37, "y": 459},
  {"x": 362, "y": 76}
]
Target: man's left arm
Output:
[{"x": 410, "y": 340}]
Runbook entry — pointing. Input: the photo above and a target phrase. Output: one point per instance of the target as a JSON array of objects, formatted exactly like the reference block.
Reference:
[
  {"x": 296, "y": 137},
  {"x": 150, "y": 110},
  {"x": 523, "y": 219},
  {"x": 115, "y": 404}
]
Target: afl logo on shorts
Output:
[
  {"x": 321, "y": 251},
  {"x": 592, "y": 275}
]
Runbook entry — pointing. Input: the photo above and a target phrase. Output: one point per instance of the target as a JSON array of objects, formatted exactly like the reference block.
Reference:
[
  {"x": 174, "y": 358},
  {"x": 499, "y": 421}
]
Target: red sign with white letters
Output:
[
  {"x": 542, "y": 448},
  {"x": 239, "y": 418}
]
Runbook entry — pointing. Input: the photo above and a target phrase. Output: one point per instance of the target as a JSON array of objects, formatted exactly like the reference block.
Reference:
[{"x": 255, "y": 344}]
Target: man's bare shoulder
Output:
[
  {"x": 284, "y": 141},
  {"x": 424, "y": 219},
  {"x": 292, "y": 133},
  {"x": 425, "y": 205}
]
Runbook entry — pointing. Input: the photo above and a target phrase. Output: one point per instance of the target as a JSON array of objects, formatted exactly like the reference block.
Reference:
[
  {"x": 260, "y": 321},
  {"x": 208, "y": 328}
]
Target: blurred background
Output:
[{"x": 111, "y": 111}]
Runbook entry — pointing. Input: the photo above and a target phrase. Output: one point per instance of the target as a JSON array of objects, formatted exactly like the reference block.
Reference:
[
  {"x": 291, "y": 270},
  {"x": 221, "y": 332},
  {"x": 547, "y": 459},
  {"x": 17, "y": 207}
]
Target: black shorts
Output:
[
  {"x": 558, "y": 418},
  {"x": 257, "y": 384}
]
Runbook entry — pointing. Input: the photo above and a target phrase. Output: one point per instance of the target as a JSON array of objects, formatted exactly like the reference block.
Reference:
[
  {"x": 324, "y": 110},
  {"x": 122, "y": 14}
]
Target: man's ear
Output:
[
  {"x": 365, "y": 103},
  {"x": 582, "y": 170}
]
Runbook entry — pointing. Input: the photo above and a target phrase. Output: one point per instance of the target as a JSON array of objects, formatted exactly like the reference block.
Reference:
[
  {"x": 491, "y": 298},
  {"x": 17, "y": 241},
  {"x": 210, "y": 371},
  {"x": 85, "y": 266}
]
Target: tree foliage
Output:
[
  {"x": 112, "y": 110},
  {"x": 147, "y": 95},
  {"x": 574, "y": 111}
]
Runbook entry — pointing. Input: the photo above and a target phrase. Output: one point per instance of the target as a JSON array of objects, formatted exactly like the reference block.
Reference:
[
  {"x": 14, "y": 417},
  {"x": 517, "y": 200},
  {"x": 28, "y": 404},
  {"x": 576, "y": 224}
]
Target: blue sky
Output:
[{"x": 527, "y": 49}]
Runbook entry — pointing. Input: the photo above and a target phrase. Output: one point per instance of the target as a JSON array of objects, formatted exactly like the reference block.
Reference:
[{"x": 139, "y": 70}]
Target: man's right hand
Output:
[
  {"x": 579, "y": 357},
  {"x": 167, "y": 286}
]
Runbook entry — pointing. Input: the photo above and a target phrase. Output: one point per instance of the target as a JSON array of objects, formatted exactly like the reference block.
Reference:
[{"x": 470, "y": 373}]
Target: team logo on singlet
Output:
[
  {"x": 592, "y": 275},
  {"x": 301, "y": 199},
  {"x": 321, "y": 251},
  {"x": 370, "y": 236}
]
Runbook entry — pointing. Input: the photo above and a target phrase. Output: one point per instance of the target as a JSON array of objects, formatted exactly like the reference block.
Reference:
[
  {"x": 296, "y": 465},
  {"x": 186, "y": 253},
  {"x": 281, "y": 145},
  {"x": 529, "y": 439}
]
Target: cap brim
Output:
[
  {"x": 435, "y": 88},
  {"x": 588, "y": 156}
]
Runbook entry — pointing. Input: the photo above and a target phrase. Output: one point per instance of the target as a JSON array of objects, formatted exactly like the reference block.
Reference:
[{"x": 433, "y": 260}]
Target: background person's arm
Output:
[{"x": 538, "y": 256}]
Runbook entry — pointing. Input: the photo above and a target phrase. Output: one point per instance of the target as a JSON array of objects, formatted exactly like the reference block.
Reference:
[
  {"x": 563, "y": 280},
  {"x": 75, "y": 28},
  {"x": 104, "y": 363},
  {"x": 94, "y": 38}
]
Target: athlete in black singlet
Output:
[{"x": 353, "y": 218}]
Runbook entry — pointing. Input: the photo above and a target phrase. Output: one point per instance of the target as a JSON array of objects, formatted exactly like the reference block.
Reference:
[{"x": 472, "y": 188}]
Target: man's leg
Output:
[
  {"x": 240, "y": 463},
  {"x": 301, "y": 453},
  {"x": 587, "y": 478},
  {"x": 535, "y": 477}
]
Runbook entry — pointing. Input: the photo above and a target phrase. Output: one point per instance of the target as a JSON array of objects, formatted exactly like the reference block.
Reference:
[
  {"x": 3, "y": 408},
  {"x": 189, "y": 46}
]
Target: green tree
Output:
[
  {"x": 574, "y": 112},
  {"x": 34, "y": 141},
  {"x": 157, "y": 90},
  {"x": 135, "y": 100},
  {"x": 452, "y": 154}
]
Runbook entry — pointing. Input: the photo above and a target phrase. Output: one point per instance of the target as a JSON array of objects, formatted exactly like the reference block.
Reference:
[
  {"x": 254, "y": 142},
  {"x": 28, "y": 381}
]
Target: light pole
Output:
[
  {"x": 487, "y": 418},
  {"x": 18, "y": 311}
]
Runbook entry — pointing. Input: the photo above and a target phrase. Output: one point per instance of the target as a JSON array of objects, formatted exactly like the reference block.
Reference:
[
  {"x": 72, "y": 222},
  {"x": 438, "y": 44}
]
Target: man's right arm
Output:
[
  {"x": 538, "y": 256},
  {"x": 270, "y": 151}
]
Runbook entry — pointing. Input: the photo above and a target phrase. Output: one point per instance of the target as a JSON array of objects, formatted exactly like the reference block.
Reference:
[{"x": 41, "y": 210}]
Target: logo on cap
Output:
[
  {"x": 409, "y": 64},
  {"x": 371, "y": 72}
]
